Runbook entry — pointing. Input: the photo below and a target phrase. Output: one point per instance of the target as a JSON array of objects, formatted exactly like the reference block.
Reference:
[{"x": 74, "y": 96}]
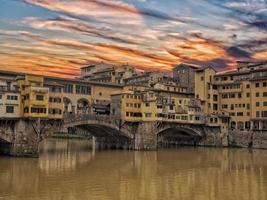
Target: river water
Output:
[{"x": 70, "y": 170}]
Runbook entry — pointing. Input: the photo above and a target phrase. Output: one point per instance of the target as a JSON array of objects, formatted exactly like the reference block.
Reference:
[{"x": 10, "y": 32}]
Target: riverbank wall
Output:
[{"x": 245, "y": 139}]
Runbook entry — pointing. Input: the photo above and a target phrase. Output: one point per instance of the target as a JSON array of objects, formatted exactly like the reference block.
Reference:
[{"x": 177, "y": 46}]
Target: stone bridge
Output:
[{"x": 20, "y": 137}]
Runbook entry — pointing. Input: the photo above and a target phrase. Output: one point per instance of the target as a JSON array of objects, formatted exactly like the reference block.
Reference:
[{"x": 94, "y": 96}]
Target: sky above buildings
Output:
[{"x": 57, "y": 37}]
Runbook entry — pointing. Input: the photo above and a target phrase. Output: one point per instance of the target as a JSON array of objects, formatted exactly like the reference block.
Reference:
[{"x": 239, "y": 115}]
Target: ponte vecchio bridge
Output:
[{"x": 21, "y": 137}]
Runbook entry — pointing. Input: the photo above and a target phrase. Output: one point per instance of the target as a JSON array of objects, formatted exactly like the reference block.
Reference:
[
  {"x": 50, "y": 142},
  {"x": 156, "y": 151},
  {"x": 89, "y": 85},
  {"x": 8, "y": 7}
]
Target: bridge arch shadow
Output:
[
  {"x": 178, "y": 136},
  {"x": 5, "y": 146},
  {"x": 106, "y": 135}
]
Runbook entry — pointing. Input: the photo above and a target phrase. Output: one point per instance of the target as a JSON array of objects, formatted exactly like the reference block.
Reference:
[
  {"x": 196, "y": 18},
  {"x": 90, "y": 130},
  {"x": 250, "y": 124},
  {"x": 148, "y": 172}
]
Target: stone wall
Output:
[
  {"x": 25, "y": 141},
  {"x": 212, "y": 137},
  {"x": 18, "y": 138},
  {"x": 145, "y": 136},
  {"x": 245, "y": 139}
]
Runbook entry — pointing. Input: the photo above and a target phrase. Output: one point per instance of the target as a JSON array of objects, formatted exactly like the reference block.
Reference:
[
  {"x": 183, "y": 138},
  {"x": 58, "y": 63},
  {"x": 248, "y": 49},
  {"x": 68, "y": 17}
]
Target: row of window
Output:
[
  {"x": 231, "y": 87},
  {"x": 83, "y": 89},
  {"x": 258, "y": 104},
  {"x": 261, "y": 114},
  {"x": 231, "y": 96},
  {"x": 133, "y": 105},
  {"x": 239, "y": 114},
  {"x": 264, "y": 84},
  {"x": 12, "y": 97},
  {"x": 55, "y": 89},
  {"x": 131, "y": 96},
  {"x": 55, "y": 100},
  {"x": 264, "y": 94},
  {"x": 80, "y": 89},
  {"x": 55, "y": 111},
  {"x": 35, "y": 110},
  {"x": 232, "y": 106}
]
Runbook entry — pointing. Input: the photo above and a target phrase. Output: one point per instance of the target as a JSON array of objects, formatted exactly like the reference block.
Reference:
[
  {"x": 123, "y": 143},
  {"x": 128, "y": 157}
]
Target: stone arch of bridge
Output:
[
  {"x": 103, "y": 129},
  {"x": 179, "y": 136}
]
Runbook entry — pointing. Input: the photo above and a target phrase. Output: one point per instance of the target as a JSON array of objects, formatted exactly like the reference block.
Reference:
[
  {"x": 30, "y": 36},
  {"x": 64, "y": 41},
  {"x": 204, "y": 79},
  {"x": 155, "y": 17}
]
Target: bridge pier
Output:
[
  {"x": 145, "y": 137},
  {"x": 25, "y": 140},
  {"x": 22, "y": 139}
]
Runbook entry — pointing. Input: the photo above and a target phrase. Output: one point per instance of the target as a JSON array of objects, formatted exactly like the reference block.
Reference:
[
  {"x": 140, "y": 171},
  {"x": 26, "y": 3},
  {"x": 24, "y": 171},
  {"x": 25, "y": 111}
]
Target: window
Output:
[
  {"x": 258, "y": 114},
  {"x": 264, "y": 94},
  {"x": 147, "y": 105},
  {"x": 231, "y": 96},
  {"x": 264, "y": 113},
  {"x": 265, "y": 103},
  {"x": 248, "y": 94},
  {"x": 264, "y": 84},
  {"x": 83, "y": 89},
  {"x": 39, "y": 97},
  {"x": 224, "y": 106},
  {"x": 215, "y": 97},
  {"x": 148, "y": 114},
  {"x": 38, "y": 110},
  {"x": 12, "y": 97},
  {"x": 215, "y": 106},
  {"x": 247, "y": 86},
  {"x": 239, "y": 95},
  {"x": 225, "y": 96},
  {"x": 26, "y": 110},
  {"x": 202, "y": 78},
  {"x": 257, "y": 104},
  {"x": 68, "y": 88},
  {"x": 257, "y": 94},
  {"x": 100, "y": 93},
  {"x": 239, "y": 114},
  {"x": 0, "y": 96},
  {"x": 10, "y": 109},
  {"x": 257, "y": 84},
  {"x": 248, "y": 106}
]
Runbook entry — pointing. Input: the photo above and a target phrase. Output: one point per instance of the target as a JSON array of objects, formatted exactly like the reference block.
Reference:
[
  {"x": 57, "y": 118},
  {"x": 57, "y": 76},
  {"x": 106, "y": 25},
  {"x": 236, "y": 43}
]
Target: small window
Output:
[
  {"x": 257, "y": 84},
  {"x": 39, "y": 97},
  {"x": 257, "y": 94},
  {"x": 10, "y": 109},
  {"x": 257, "y": 104}
]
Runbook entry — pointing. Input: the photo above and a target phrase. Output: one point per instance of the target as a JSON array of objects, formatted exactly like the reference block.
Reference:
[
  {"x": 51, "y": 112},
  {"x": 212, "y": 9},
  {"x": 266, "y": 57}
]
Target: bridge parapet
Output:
[{"x": 70, "y": 118}]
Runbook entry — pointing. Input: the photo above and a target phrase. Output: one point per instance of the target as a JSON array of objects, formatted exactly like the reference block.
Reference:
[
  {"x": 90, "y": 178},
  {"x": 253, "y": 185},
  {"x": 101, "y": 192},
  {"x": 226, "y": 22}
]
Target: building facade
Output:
[
  {"x": 241, "y": 95},
  {"x": 184, "y": 74}
]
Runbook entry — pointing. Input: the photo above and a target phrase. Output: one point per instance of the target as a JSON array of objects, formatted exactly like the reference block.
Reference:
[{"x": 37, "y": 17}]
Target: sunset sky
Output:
[{"x": 57, "y": 37}]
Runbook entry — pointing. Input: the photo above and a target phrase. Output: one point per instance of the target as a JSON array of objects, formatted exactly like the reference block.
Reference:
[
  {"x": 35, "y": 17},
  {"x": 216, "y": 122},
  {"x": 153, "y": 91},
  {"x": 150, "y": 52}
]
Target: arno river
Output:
[{"x": 70, "y": 170}]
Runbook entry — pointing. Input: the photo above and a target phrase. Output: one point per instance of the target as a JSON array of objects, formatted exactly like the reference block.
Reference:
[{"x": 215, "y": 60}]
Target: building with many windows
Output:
[
  {"x": 9, "y": 98},
  {"x": 241, "y": 95}
]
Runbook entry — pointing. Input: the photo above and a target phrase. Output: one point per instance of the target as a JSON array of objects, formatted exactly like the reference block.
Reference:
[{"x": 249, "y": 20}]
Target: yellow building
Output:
[
  {"x": 240, "y": 94},
  {"x": 137, "y": 103},
  {"x": 55, "y": 106},
  {"x": 35, "y": 97}
]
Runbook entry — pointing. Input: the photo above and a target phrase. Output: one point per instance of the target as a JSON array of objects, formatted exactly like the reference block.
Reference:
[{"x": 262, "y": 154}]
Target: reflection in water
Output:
[{"x": 70, "y": 170}]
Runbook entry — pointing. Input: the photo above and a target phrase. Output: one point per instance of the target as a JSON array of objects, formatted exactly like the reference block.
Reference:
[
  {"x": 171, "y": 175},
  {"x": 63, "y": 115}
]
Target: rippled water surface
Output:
[{"x": 70, "y": 170}]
